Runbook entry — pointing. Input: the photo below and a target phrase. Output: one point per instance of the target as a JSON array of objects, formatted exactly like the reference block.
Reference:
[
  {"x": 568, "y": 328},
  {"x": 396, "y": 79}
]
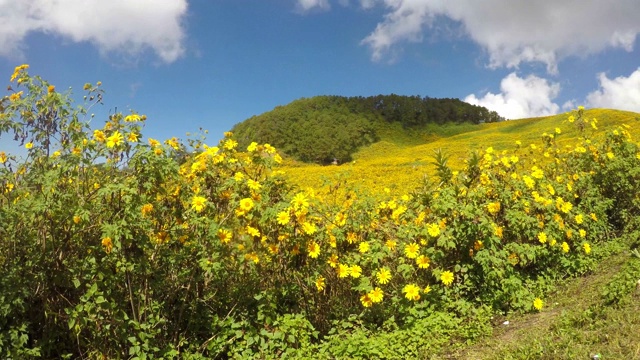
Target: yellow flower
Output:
[
  {"x": 252, "y": 147},
  {"x": 99, "y": 136},
  {"x": 146, "y": 209},
  {"x": 363, "y": 247},
  {"x": 355, "y": 271},
  {"x": 283, "y": 218},
  {"x": 246, "y": 204},
  {"x": 340, "y": 219},
  {"x": 132, "y": 137},
  {"x": 537, "y": 172},
  {"x": 343, "y": 271},
  {"x": 333, "y": 261},
  {"x": 15, "y": 96},
  {"x": 153, "y": 142},
  {"x": 269, "y": 149},
  {"x": 493, "y": 208},
  {"x": 542, "y": 237},
  {"x": 566, "y": 207},
  {"x": 390, "y": 244},
  {"x": 17, "y": 71},
  {"x": 578, "y": 219},
  {"x": 383, "y": 275},
  {"x": 3, "y": 157},
  {"x": 252, "y": 257},
  {"x": 132, "y": 118},
  {"x": 253, "y": 231},
  {"x": 230, "y": 144},
  {"x": 583, "y": 233},
  {"x": 107, "y": 244},
  {"x": 314, "y": 249},
  {"x": 366, "y": 300},
  {"x": 433, "y": 229},
  {"x": 565, "y": 247},
  {"x": 309, "y": 228},
  {"x": 529, "y": 182},
  {"x": 587, "y": 248},
  {"x": 498, "y": 230},
  {"x": 551, "y": 190},
  {"x": 273, "y": 249},
  {"x": 422, "y": 261},
  {"x": 447, "y": 277},
  {"x": 411, "y": 292},
  {"x": 28, "y": 145},
  {"x": 538, "y": 304},
  {"x": 224, "y": 236},
  {"x": 115, "y": 139},
  {"x": 320, "y": 284},
  {"x": 376, "y": 295},
  {"x": 198, "y": 203},
  {"x": 427, "y": 289},
  {"x": 411, "y": 250},
  {"x": 76, "y": 219},
  {"x": 253, "y": 185},
  {"x": 300, "y": 201}
]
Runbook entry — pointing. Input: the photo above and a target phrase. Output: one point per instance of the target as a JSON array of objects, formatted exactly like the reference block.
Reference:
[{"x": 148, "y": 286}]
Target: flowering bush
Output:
[{"x": 112, "y": 243}]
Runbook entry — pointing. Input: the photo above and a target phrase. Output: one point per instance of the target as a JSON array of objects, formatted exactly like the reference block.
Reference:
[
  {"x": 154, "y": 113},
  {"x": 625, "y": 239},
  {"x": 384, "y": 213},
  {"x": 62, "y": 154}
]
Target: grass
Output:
[
  {"x": 401, "y": 159},
  {"x": 575, "y": 324}
]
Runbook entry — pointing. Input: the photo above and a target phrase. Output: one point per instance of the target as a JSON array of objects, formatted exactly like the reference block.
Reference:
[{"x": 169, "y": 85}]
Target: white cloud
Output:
[
  {"x": 621, "y": 93},
  {"x": 122, "y": 26},
  {"x": 520, "y": 97},
  {"x": 367, "y": 4},
  {"x": 514, "y": 31},
  {"x": 404, "y": 23},
  {"x": 306, "y": 5}
]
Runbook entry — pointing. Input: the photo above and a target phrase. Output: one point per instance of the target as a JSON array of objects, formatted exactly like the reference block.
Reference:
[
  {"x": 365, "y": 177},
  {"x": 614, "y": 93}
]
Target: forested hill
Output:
[{"x": 323, "y": 128}]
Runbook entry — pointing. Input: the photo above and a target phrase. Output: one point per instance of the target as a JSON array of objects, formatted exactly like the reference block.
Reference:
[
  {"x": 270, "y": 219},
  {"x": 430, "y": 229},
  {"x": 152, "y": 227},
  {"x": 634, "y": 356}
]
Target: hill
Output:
[
  {"x": 401, "y": 159},
  {"x": 327, "y": 128}
]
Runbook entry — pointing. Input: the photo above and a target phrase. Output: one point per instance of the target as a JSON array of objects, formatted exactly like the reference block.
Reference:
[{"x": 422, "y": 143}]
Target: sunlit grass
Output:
[{"x": 402, "y": 159}]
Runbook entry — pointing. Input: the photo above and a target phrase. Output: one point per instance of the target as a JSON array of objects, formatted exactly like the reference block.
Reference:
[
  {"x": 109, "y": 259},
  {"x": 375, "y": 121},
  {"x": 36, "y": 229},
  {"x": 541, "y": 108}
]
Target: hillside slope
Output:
[{"x": 400, "y": 164}]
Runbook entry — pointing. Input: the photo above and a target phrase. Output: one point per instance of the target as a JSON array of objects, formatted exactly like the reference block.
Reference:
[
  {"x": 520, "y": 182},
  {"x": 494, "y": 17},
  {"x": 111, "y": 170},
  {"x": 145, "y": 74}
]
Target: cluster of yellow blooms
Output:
[
  {"x": 355, "y": 242},
  {"x": 513, "y": 208}
]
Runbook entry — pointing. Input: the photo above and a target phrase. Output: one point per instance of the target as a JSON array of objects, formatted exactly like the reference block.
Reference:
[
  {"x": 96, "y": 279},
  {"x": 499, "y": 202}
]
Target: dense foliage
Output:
[
  {"x": 327, "y": 128},
  {"x": 111, "y": 247}
]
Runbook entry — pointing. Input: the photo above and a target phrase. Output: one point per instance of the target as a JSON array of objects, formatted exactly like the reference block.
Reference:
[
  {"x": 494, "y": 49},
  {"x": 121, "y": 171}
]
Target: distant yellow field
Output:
[{"x": 401, "y": 168}]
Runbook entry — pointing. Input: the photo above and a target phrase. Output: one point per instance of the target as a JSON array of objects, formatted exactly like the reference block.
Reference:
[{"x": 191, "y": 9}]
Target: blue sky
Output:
[{"x": 190, "y": 64}]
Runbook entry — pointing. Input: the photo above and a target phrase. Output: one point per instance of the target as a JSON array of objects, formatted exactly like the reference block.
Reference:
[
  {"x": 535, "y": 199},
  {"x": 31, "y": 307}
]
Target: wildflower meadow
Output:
[{"x": 116, "y": 245}]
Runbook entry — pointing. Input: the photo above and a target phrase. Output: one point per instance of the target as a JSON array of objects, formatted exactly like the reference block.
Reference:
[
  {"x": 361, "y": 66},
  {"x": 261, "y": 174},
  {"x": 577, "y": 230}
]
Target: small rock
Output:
[{"x": 506, "y": 322}]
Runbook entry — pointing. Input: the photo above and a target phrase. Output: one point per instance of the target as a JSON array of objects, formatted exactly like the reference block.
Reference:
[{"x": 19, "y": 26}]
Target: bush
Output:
[{"x": 163, "y": 249}]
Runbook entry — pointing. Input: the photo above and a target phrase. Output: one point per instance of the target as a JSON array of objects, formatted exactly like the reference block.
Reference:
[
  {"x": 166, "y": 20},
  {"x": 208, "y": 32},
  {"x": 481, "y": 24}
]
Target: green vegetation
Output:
[
  {"x": 401, "y": 159},
  {"x": 111, "y": 247},
  {"x": 324, "y": 128}
]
